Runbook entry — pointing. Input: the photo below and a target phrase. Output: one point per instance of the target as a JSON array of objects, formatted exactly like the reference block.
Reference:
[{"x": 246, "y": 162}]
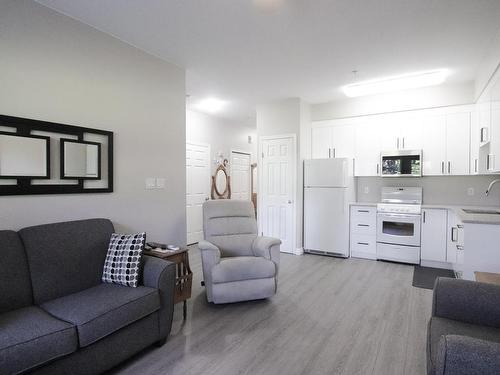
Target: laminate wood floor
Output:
[{"x": 330, "y": 316}]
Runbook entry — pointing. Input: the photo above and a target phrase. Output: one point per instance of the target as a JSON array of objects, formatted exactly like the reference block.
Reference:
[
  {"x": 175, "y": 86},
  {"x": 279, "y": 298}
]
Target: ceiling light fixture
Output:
[
  {"x": 211, "y": 105},
  {"x": 396, "y": 83}
]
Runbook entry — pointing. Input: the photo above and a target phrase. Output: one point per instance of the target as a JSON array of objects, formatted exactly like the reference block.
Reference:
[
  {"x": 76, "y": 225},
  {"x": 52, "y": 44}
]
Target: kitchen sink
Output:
[{"x": 480, "y": 211}]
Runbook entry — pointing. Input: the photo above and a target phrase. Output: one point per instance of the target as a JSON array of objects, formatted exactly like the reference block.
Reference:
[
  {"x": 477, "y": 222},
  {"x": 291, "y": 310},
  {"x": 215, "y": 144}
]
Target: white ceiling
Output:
[{"x": 242, "y": 53}]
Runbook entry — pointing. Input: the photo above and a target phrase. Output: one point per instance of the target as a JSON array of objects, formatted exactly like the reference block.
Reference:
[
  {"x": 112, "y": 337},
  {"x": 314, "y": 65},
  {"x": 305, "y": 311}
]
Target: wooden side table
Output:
[{"x": 184, "y": 275}]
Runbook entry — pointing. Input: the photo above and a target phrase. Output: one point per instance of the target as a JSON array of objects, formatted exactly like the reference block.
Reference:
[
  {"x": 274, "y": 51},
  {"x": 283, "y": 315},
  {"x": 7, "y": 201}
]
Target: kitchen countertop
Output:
[{"x": 464, "y": 217}]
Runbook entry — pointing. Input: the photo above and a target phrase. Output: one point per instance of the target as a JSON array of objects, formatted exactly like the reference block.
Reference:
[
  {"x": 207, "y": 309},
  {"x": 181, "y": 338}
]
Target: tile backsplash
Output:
[{"x": 452, "y": 190}]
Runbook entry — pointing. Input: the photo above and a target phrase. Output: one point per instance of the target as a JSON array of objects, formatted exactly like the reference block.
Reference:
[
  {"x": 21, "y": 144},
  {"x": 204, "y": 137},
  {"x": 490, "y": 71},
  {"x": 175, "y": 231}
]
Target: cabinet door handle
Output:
[
  {"x": 329, "y": 152},
  {"x": 334, "y": 152},
  {"x": 449, "y": 167},
  {"x": 377, "y": 168},
  {"x": 363, "y": 211},
  {"x": 475, "y": 165},
  {"x": 442, "y": 167},
  {"x": 363, "y": 225},
  {"x": 366, "y": 243},
  {"x": 454, "y": 234},
  {"x": 403, "y": 142},
  {"x": 460, "y": 247},
  {"x": 423, "y": 218}
]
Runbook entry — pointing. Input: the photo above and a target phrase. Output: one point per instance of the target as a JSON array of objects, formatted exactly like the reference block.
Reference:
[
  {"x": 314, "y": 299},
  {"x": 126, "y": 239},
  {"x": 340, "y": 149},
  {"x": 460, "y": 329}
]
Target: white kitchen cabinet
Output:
[
  {"x": 400, "y": 132},
  {"x": 484, "y": 118},
  {"x": 475, "y": 165},
  {"x": 363, "y": 236},
  {"x": 493, "y": 159},
  {"x": 454, "y": 236},
  {"x": 367, "y": 156},
  {"x": 457, "y": 143},
  {"x": 434, "y": 141},
  {"x": 446, "y": 141},
  {"x": 433, "y": 235},
  {"x": 321, "y": 142},
  {"x": 335, "y": 141}
]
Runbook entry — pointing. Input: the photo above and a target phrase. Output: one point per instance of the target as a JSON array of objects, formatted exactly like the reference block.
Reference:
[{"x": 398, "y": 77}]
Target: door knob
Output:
[{"x": 289, "y": 201}]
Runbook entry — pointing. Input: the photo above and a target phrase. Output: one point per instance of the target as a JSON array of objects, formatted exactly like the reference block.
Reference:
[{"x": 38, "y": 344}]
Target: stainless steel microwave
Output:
[{"x": 401, "y": 163}]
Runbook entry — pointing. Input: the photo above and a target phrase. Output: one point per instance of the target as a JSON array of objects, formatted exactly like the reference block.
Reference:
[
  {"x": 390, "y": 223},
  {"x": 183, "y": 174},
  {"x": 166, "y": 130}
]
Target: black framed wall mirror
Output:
[
  {"x": 40, "y": 157},
  {"x": 80, "y": 159}
]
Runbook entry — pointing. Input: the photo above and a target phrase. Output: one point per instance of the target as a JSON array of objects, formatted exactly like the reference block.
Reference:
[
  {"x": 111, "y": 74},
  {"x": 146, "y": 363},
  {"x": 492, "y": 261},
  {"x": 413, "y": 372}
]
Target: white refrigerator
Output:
[{"x": 329, "y": 187}]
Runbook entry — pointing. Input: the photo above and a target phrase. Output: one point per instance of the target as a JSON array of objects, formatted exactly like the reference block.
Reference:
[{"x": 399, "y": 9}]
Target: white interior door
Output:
[
  {"x": 197, "y": 188},
  {"x": 277, "y": 190},
  {"x": 240, "y": 175}
]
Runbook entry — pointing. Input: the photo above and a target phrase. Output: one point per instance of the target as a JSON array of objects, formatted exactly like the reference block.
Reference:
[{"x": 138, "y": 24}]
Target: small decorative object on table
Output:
[{"x": 184, "y": 275}]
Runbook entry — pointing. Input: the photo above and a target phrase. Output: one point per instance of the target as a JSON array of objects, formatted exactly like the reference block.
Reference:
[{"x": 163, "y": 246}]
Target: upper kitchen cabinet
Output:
[
  {"x": 434, "y": 141},
  {"x": 400, "y": 132},
  {"x": 334, "y": 140},
  {"x": 446, "y": 140},
  {"x": 367, "y": 157},
  {"x": 493, "y": 158}
]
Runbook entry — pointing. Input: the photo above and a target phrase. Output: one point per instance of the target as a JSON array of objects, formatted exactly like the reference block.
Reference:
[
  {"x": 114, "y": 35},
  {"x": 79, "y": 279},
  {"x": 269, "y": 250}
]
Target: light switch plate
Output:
[
  {"x": 470, "y": 191},
  {"x": 150, "y": 183},
  {"x": 160, "y": 183},
  {"x": 366, "y": 190}
]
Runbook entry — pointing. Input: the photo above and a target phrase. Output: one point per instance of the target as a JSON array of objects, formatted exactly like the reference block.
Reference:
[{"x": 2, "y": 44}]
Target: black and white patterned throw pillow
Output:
[{"x": 123, "y": 259}]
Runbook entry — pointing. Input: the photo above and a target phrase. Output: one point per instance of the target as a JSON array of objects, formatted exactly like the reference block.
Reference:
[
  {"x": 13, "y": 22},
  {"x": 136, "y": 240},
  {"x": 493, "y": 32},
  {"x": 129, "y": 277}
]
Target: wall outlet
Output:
[
  {"x": 366, "y": 190},
  {"x": 470, "y": 191}
]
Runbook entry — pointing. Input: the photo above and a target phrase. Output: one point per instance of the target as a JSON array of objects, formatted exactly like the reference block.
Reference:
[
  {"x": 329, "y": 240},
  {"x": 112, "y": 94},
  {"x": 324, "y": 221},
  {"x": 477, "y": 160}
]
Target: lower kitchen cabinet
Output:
[
  {"x": 433, "y": 235},
  {"x": 454, "y": 236},
  {"x": 363, "y": 232}
]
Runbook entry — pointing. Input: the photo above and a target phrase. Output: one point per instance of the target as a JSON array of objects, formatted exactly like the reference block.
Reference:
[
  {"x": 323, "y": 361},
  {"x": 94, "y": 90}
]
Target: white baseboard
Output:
[
  {"x": 434, "y": 264},
  {"x": 359, "y": 254},
  {"x": 299, "y": 251}
]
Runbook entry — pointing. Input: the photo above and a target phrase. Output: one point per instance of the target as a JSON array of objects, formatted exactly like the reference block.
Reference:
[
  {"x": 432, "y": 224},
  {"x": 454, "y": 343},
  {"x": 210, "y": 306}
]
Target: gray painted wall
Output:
[
  {"x": 57, "y": 69},
  {"x": 437, "y": 190}
]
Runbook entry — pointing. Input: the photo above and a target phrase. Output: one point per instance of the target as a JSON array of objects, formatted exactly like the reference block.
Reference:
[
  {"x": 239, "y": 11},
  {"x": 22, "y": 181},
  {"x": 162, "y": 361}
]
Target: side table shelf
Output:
[{"x": 184, "y": 275}]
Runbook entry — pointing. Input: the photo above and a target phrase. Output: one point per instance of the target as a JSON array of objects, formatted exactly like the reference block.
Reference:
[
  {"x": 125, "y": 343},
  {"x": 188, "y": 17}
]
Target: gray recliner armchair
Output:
[
  {"x": 238, "y": 265},
  {"x": 463, "y": 337}
]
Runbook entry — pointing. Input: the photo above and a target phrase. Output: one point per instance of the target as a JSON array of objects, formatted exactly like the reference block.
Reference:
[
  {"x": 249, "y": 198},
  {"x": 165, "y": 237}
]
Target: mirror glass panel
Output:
[
  {"x": 23, "y": 156},
  {"x": 81, "y": 159},
  {"x": 220, "y": 181}
]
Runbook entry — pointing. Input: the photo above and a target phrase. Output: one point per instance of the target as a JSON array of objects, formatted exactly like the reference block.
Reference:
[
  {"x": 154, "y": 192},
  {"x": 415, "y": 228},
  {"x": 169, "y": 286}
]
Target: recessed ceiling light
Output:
[
  {"x": 211, "y": 105},
  {"x": 396, "y": 83}
]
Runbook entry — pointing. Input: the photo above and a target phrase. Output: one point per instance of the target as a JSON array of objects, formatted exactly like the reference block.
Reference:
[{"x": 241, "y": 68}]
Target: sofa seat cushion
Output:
[
  {"x": 242, "y": 268},
  {"x": 99, "y": 311},
  {"x": 30, "y": 337},
  {"x": 442, "y": 326}
]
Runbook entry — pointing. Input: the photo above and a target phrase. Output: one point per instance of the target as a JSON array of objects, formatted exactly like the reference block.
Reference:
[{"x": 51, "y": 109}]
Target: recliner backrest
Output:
[
  {"x": 15, "y": 282},
  {"x": 230, "y": 225},
  {"x": 67, "y": 257}
]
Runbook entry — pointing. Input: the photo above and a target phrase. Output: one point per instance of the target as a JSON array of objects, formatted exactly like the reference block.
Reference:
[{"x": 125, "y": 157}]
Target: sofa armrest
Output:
[
  {"x": 160, "y": 274},
  {"x": 463, "y": 355},
  {"x": 467, "y": 301},
  {"x": 267, "y": 247}
]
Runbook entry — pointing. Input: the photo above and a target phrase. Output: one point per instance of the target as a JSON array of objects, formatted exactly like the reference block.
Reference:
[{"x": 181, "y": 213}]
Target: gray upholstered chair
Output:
[
  {"x": 463, "y": 337},
  {"x": 238, "y": 265}
]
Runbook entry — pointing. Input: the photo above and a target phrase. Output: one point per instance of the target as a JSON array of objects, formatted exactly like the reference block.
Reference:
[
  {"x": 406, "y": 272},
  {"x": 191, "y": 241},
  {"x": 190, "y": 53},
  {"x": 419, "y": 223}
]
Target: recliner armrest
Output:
[
  {"x": 160, "y": 274},
  {"x": 267, "y": 247},
  {"x": 463, "y": 355},
  {"x": 467, "y": 301}
]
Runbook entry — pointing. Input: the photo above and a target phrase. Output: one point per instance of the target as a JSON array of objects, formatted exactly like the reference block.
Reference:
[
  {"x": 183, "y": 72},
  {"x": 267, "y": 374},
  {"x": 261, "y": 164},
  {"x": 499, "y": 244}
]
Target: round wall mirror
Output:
[{"x": 221, "y": 186}]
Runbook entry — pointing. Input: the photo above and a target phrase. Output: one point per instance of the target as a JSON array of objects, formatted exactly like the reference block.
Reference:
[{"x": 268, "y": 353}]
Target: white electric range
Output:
[{"x": 398, "y": 224}]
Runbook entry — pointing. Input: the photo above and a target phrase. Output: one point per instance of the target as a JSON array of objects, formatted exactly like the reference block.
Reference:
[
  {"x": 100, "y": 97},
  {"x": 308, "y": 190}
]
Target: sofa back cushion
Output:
[
  {"x": 230, "y": 225},
  {"x": 15, "y": 283},
  {"x": 67, "y": 257}
]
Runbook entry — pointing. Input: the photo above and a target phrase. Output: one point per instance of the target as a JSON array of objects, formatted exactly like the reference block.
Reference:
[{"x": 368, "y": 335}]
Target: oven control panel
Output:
[{"x": 414, "y": 209}]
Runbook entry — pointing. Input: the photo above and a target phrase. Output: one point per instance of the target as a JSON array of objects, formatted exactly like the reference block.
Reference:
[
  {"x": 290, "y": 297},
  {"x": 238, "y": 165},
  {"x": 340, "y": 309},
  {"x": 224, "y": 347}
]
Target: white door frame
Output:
[
  {"x": 208, "y": 146},
  {"x": 293, "y": 136}
]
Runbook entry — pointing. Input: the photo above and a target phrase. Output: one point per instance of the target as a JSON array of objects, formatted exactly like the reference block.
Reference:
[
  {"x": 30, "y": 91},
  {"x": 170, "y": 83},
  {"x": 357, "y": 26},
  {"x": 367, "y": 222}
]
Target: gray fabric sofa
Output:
[
  {"x": 463, "y": 336},
  {"x": 237, "y": 264},
  {"x": 56, "y": 317}
]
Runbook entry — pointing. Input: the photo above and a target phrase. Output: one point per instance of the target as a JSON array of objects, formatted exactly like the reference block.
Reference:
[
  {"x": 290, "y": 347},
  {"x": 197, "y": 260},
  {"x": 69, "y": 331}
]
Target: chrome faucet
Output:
[{"x": 491, "y": 185}]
